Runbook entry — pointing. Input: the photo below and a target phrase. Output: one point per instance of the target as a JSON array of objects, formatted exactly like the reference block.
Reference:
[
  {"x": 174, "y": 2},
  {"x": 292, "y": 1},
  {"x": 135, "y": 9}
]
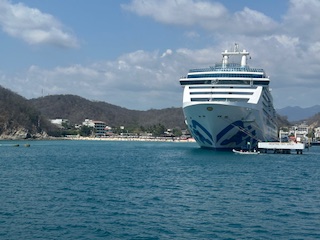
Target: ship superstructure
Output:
[{"x": 229, "y": 105}]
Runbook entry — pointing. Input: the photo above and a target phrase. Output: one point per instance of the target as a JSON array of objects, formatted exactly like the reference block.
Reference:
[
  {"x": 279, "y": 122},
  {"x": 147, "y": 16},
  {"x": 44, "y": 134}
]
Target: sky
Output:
[{"x": 132, "y": 53}]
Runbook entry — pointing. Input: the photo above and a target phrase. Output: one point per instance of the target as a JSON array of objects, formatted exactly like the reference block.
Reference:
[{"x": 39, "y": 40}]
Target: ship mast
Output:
[{"x": 236, "y": 51}]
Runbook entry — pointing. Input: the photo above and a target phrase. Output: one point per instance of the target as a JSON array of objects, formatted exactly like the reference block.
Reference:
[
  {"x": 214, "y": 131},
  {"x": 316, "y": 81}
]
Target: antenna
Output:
[{"x": 236, "y": 47}]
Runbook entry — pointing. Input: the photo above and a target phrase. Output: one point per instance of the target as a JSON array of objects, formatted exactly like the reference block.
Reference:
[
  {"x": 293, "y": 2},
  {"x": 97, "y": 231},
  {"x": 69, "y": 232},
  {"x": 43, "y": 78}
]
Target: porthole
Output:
[{"x": 209, "y": 108}]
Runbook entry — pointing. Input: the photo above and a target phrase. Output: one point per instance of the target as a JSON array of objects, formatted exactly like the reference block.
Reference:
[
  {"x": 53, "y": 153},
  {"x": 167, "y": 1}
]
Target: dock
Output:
[{"x": 281, "y": 147}]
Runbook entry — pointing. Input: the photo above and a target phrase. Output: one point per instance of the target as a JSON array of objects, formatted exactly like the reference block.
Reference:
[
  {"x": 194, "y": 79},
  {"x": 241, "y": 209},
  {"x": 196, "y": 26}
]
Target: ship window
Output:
[
  {"x": 225, "y": 75},
  {"x": 192, "y": 93},
  {"x": 200, "y": 99},
  {"x": 230, "y": 99},
  {"x": 235, "y": 67},
  {"x": 261, "y": 83},
  {"x": 202, "y": 87},
  {"x": 234, "y": 82},
  {"x": 238, "y": 93},
  {"x": 194, "y": 82},
  {"x": 220, "y": 99}
]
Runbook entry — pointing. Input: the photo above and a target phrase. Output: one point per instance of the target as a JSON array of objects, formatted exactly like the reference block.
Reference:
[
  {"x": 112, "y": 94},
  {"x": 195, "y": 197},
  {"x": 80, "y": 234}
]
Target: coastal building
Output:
[
  {"x": 283, "y": 135},
  {"x": 60, "y": 122},
  {"x": 317, "y": 134},
  {"x": 300, "y": 132},
  {"x": 108, "y": 131},
  {"x": 295, "y": 133},
  {"x": 99, "y": 127}
]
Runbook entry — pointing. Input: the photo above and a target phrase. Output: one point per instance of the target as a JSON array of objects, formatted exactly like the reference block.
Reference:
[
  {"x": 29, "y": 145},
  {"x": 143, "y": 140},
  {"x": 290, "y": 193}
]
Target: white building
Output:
[
  {"x": 99, "y": 126},
  {"x": 295, "y": 133},
  {"x": 59, "y": 122},
  {"x": 317, "y": 133},
  {"x": 300, "y": 132}
]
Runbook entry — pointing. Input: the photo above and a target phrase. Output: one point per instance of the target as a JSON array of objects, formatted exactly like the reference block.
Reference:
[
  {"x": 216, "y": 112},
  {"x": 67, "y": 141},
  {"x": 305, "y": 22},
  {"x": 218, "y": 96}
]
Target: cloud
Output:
[
  {"x": 289, "y": 51},
  {"x": 33, "y": 26},
  {"x": 137, "y": 80},
  {"x": 208, "y": 15},
  {"x": 192, "y": 34},
  {"x": 143, "y": 80},
  {"x": 168, "y": 52},
  {"x": 251, "y": 21},
  {"x": 180, "y": 12},
  {"x": 303, "y": 19}
]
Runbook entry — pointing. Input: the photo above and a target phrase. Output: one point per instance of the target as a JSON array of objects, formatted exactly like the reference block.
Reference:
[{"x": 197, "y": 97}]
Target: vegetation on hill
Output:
[
  {"x": 314, "y": 121},
  {"x": 30, "y": 117},
  {"x": 18, "y": 118},
  {"x": 76, "y": 109},
  {"x": 282, "y": 121}
]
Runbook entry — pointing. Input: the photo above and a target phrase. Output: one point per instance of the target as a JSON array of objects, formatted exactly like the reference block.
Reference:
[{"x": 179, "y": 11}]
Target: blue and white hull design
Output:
[
  {"x": 229, "y": 106},
  {"x": 226, "y": 126}
]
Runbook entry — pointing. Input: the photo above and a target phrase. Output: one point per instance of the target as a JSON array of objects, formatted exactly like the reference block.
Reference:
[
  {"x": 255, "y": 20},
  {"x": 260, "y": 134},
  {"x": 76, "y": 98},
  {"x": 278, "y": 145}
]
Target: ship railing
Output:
[{"x": 228, "y": 69}]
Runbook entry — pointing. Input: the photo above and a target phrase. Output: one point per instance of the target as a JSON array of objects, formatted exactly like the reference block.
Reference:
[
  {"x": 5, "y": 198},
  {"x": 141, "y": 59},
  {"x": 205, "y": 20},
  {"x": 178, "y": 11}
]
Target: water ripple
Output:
[{"x": 135, "y": 190}]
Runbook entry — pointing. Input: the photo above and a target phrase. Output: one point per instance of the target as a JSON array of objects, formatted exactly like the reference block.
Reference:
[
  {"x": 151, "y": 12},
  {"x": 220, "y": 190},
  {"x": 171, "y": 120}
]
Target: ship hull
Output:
[{"x": 227, "y": 126}]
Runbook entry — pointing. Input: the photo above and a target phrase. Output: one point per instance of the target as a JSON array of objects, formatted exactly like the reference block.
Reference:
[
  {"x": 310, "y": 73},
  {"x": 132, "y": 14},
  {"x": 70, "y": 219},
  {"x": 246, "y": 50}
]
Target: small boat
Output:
[{"x": 245, "y": 152}]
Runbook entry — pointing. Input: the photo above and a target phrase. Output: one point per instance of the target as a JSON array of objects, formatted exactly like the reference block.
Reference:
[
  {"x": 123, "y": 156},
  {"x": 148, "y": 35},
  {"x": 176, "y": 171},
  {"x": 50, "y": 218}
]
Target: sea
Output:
[{"x": 155, "y": 190}]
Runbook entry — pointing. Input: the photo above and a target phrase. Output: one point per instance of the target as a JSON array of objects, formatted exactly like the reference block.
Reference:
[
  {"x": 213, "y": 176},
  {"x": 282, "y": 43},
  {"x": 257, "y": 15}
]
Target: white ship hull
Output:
[{"x": 227, "y": 126}]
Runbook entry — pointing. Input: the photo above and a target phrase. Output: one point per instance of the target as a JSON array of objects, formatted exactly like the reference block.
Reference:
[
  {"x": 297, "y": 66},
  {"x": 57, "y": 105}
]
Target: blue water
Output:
[{"x": 153, "y": 190}]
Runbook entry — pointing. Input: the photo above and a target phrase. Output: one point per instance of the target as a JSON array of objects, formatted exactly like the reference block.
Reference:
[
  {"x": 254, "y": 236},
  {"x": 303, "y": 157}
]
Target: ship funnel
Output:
[
  {"x": 225, "y": 59},
  {"x": 244, "y": 58}
]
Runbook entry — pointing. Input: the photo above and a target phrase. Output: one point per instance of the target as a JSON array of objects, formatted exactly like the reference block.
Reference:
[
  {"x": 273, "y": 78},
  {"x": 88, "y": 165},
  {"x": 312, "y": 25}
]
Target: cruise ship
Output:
[{"x": 229, "y": 105}]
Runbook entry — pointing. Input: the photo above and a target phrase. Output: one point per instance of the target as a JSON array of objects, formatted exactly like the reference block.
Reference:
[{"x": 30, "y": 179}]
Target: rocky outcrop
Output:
[
  {"x": 19, "y": 119},
  {"x": 21, "y": 133}
]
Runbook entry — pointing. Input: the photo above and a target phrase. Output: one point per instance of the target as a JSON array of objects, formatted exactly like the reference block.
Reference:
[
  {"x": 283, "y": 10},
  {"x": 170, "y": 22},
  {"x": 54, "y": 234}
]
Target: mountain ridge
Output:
[
  {"x": 76, "y": 109},
  {"x": 297, "y": 113}
]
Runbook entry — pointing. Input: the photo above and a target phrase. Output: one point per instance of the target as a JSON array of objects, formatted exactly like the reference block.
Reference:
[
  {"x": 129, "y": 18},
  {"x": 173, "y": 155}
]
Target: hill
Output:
[
  {"x": 314, "y": 121},
  {"x": 22, "y": 118},
  {"x": 76, "y": 109},
  {"x": 18, "y": 118},
  {"x": 298, "y": 113}
]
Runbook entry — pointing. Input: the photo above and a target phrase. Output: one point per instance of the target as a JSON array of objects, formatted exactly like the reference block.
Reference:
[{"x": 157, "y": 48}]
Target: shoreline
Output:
[
  {"x": 130, "y": 139},
  {"x": 118, "y": 138}
]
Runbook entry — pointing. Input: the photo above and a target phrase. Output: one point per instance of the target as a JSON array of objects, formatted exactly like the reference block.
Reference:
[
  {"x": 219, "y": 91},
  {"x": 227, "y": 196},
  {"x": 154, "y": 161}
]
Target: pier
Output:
[{"x": 281, "y": 147}]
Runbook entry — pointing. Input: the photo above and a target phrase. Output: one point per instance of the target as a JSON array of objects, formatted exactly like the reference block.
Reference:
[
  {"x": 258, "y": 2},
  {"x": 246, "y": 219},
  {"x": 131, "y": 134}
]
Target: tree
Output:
[
  {"x": 86, "y": 131},
  {"x": 158, "y": 130},
  {"x": 177, "y": 132}
]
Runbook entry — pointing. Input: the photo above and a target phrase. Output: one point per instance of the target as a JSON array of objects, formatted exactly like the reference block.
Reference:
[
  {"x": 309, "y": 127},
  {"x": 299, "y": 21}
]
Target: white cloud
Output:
[
  {"x": 137, "y": 80},
  {"x": 209, "y": 15},
  {"x": 144, "y": 80},
  {"x": 33, "y": 26},
  {"x": 251, "y": 21},
  {"x": 302, "y": 19},
  {"x": 180, "y": 12},
  {"x": 192, "y": 34},
  {"x": 289, "y": 51},
  {"x": 168, "y": 52}
]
